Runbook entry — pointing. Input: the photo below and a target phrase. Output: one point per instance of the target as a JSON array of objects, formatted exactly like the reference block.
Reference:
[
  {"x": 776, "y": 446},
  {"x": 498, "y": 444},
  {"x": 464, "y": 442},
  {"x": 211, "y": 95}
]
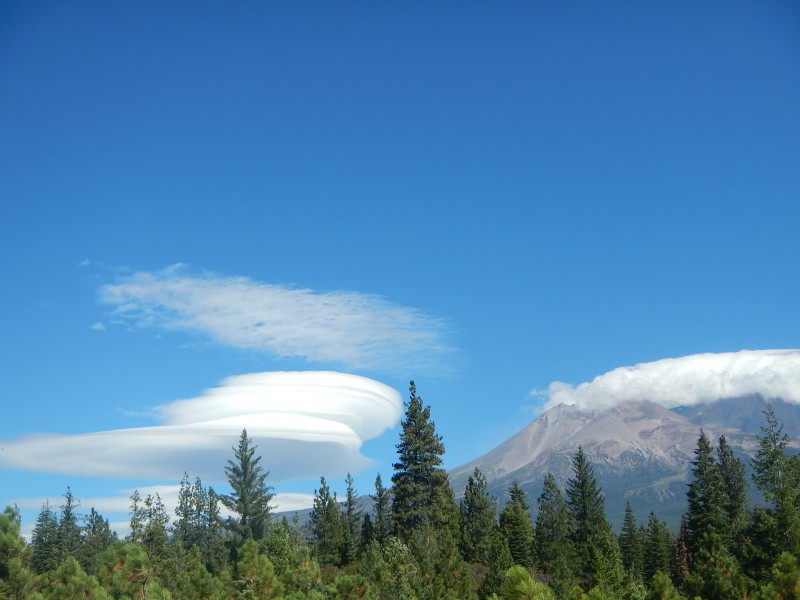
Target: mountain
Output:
[{"x": 641, "y": 452}]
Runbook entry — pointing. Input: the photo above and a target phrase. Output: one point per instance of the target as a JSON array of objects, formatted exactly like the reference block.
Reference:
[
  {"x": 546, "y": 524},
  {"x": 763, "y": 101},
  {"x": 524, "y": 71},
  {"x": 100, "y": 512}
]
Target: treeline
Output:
[{"x": 416, "y": 543}]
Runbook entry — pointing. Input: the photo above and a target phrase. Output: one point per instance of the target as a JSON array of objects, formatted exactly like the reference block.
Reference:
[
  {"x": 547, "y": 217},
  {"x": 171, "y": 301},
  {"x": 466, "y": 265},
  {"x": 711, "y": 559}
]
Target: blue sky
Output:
[{"x": 485, "y": 198}]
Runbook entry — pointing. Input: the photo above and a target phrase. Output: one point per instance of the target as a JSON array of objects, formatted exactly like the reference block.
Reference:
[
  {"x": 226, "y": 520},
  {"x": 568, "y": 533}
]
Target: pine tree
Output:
[
  {"x": 734, "y": 486},
  {"x": 777, "y": 476},
  {"x": 705, "y": 496},
  {"x": 95, "y": 538},
  {"x": 515, "y": 524},
  {"x": 477, "y": 519},
  {"x": 326, "y": 526},
  {"x": 351, "y": 522},
  {"x": 46, "y": 553},
  {"x": 553, "y": 550},
  {"x": 422, "y": 494},
  {"x": 251, "y": 495},
  {"x": 16, "y": 578},
  {"x": 658, "y": 548},
  {"x": 381, "y": 511},
  {"x": 630, "y": 545},
  {"x": 69, "y": 533},
  {"x": 598, "y": 559}
]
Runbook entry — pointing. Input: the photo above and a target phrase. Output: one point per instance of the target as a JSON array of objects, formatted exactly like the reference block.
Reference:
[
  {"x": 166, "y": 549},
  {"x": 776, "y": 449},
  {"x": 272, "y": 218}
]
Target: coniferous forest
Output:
[{"x": 416, "y": 542}]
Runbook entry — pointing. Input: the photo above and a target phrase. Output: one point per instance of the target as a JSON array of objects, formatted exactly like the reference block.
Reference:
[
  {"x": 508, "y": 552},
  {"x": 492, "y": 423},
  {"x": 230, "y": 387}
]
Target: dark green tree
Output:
[
  {"x": 381, "y": 511},
  {"x": 69, "y": 532},
  {"x": 777, "y": 476},
  {"x": 422, "y": 495},
  {"x": 95, "y": 538},
  {"x": 515, "y": 524},
  {"x": 251, "y": 495},
  {"x": 658, "y": 548},
  {"x": 553, "y": 550},
  {"x": 631, "y": 545},
  {"x": 199, "y": 523},
  {"x": 734, "y": 487},
  {"x": 715, "y": 572},
  {"x": 598, "y": 561},
  {"x": 327, "y": 530},
  {"x": 46, "y": 552},
  {"x": 16, "y": 579},
  {"x": 477, "y": 519},
  {"x": 351, "y": 523},
  {"x": 706, "y": 500}
]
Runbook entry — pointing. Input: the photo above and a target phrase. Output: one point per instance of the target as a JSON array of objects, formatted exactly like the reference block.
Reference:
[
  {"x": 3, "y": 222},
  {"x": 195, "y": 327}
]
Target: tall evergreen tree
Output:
[
  {"x": 658, "y": 548},
  {"x": 515, "y": 524},
  {"x": 734, "y": 487},
  {"x": 69, "y": 532},
  {"x": 326, "y": 526},
  {"x": 477, "y": 520},
  {"x": 421, "y": 494},
  {"x": 351, "y": 523},
  {"x": 381, "y": 512},
  {"x": 16, "y": 579},
  {"x": 777, "y": 476},
  {"x": 251, "y": 495},
  {"x": 631, "y": 546},
  {"x": 553, "y": 550},
  {"x": 46, "y": 553},
  {"x": 199, "y": 523},
  {"x": 95, "y": 538},
  {"x": 597, "y": 550},
  {"x": 705, "y": 497}
]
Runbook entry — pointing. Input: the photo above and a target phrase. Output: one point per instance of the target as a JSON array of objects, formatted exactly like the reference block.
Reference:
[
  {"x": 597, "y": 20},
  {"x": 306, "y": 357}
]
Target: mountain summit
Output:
[{"x": 641, "y": 452}]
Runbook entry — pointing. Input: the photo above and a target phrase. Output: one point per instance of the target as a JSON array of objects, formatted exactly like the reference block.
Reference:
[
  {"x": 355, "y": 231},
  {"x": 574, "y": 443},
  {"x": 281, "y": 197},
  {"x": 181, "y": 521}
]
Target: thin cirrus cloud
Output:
[
  {"x": 305, "y": 423},
  {"x": 689, "y": 380},
  {"x": 353, "y": 329}
]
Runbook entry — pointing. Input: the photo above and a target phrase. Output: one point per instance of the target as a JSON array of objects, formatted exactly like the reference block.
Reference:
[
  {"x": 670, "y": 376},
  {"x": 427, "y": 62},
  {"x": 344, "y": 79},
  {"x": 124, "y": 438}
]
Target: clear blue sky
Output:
[{"x": 528, "y": 192}]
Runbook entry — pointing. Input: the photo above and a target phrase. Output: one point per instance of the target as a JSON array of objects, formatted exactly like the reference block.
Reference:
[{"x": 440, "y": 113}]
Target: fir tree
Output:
[
  {"x": 69, "y": 532},
  {"x": 658, "y": 548},
  {"x": 381, "y": 511},
  {"x": 777, "y": 476},
  {"x": 553, "y": 550},
  {"x": 95, "y": 539},
  {"x": 705, "y": 496},
  {"x": 46, "y": 553},
  {"x": 422, "y": 495},
  {"x": 597, "y": 550},
  {"x": 251, "y": 495},
  {"x": 515, "y": 524},
  {"x": 734, "y": 486},
  {"x": 326, "y": 526},
  {"x": 477, "y": 520},
  {"x": 351, "y": 523},
  {"x": 631, "y": 546}
]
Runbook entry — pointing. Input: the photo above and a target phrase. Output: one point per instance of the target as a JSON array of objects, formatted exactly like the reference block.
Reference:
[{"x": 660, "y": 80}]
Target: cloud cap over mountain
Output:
[
  {"x": 304, "y": 422},
  {"x": 689, "y": 380}
]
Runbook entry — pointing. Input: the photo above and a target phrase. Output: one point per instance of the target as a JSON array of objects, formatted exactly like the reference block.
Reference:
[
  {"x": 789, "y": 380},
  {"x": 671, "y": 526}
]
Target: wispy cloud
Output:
[
  {"x": 352, "y": 329},
  {"x": 98, "y": 326},
  {"x": 689, "y": 380},
  {"x": 306, "y": 424}
]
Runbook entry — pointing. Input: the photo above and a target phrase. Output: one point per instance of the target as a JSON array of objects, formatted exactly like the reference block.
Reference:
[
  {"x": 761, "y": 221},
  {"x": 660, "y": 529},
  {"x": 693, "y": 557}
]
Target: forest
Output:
[{"x": 413, "y": 541}]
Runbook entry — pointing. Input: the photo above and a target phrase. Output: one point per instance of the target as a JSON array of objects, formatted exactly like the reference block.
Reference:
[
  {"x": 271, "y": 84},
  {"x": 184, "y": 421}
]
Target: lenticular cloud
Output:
[
  {"x": 689, "y": 380},
  {"x": 304, "y": 423}
]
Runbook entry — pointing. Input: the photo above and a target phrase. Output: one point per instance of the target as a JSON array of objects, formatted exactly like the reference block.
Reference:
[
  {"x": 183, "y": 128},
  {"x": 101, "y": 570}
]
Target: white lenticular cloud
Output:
[
  {"x": 353, "y": 329},
  {"x": 689, "y": 380},
  {"x": 305, "y": 423}
]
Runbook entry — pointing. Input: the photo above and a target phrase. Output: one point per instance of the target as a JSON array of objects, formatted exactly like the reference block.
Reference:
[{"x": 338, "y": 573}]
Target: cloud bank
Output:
[
  {"x": 689, "y": 380},
  {"x": 305, "y": 423},
  {"x": 352, "y": 329}
]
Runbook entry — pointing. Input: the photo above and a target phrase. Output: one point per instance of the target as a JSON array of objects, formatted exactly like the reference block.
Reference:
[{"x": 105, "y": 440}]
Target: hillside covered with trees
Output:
[{"x": 417, "y": 542}]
